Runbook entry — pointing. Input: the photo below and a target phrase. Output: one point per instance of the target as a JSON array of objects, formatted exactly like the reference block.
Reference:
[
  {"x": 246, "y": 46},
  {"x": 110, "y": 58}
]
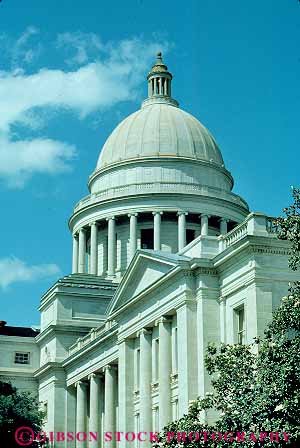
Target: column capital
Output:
[
  {"x": 93, "y": 223},
  {"x": 96, "y": 375},
  {"x": 110, "y": 218},
  {"x": 223, "y": 219},
  {"x": 75, "y": 235},
  {"x": 146, "y": 331},
  {"x": 109, "y": 367},
  {"x": 80, "y": 383},
  {"x": 204, "y": 214},
  {"x": 82, "y": 229},
  {"x": 132, "y": 214},
  {"x": 157, "y": 213},
  {"x": 180, "y": 212},
  {"x": 163, "y": 320}
]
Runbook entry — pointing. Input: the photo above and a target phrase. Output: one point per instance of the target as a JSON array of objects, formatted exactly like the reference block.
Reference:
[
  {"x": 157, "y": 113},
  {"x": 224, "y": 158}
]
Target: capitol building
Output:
[{"x": 165, "y": 259}]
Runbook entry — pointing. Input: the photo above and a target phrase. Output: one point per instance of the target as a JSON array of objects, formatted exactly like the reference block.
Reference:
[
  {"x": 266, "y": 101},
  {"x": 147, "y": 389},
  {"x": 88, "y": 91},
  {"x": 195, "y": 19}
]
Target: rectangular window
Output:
[
  {"x": 156, "y": 359},
  {"x": 240, "y": 325},
  {"x": 190, "y": 235},
  {"x": 174, "y": 350},
  {"x": 137, "y": 369},
  {"x": 147, "y": 238},
  {"x": 22, "y": 358}
]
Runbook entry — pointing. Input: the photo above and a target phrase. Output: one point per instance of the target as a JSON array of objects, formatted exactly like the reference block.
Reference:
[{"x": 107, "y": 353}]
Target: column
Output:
[
  {"x": 95, "y": 408},
  {"x": 82, "y": 250},
  {"x": 111, "y": 246},
  {"x": 94, "y": 248},
  {"x": 110, "y": 401},
  {"x": 157, "y": 225},
  {"x": 204, "y": 225},
  {"x": 133, "y": 234},
  {"x": 155, "y": 85},
  {"x": 181, "y": 230},
  {"x": 165, "y": 414},
  {"x": 125, "y": 389},
  {"x": 81, "y": 411},
  {"x": 223, "y": 226},
  {"x": 187, "y": 355},
  {"x": 75, "y": 254},
  {"x": 145, "y": 382},
  {"x": 70, "y": 412}
]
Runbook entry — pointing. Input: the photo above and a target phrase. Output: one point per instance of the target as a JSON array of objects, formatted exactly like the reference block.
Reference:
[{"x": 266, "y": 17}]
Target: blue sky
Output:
[{"x": 70, "y": 71}]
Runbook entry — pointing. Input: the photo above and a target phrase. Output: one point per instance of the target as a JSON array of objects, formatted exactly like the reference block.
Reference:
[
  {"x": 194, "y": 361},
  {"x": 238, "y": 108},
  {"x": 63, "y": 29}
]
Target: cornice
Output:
[
  {"x": 49, "y": 366},
  {"x": 182, "y": 195}
]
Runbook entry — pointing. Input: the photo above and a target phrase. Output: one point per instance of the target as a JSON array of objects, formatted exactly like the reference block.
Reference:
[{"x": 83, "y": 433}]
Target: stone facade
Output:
[{"x": 165, "y": 260}]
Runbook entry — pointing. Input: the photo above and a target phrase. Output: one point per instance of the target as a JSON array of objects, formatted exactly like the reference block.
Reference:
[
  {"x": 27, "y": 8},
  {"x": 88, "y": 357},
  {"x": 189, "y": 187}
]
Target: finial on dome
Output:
[
  {"x": 159, "y": 79},
  {"x": 159, "y": 58}
]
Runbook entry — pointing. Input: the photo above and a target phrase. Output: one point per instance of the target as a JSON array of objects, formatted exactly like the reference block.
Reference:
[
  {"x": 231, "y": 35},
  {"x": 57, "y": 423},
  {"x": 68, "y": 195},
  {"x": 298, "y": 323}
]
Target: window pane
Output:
[{"x": 22, "y": 358}]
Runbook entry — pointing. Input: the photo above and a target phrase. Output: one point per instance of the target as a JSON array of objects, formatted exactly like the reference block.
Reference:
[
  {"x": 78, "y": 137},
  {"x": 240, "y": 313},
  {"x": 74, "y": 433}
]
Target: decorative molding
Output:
[
  {"x": 84, "y": 285},
  {"x": 268, "y": 250},
  {"x": 174, "y": 378},
  {"x": 206, "y": 271},
  {"x": 154, "y": 386}
]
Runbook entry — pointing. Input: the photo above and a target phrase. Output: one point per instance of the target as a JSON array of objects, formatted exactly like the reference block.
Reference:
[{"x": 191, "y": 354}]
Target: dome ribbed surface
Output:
[{"x": 159, "y": 130}]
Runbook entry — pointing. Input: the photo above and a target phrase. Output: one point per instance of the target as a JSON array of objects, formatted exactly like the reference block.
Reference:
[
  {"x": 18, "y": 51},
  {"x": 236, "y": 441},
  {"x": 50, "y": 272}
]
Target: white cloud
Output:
[
  {"x": 86, "y": 45},
  {"x": 20, "y": 159},
  {"x": 109, "y": 78},
  {"x": 13, "y": 270}
]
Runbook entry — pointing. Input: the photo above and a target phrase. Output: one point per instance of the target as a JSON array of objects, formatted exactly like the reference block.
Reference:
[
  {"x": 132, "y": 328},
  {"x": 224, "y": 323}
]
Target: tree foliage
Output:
[
  {"x": 17, "y": 409},
  {"x": 255, "y": 388}
]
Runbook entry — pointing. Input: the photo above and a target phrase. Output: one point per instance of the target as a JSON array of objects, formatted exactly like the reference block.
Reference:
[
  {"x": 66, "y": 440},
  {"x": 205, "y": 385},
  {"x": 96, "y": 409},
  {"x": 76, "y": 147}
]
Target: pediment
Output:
[{"x": 146, "y": 269}]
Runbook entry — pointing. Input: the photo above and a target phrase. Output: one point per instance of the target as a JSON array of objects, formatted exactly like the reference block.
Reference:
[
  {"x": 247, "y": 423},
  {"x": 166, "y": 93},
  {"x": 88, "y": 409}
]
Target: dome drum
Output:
[{"x": 158, "y": 230}]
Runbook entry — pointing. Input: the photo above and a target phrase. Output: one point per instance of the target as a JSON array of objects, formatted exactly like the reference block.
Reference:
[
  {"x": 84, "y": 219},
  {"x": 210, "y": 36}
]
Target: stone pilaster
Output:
[
  {"x": 145, "y": 382},
  {"x": 165, "y": 367},
  {"x": 125, "y": 388},
  {"x": 187, "y": 355}
]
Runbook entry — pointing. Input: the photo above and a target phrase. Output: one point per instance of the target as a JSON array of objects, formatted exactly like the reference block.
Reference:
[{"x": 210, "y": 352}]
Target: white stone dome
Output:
[
  {"x": 159, "y": 129},
  {"x": 159, "y": 158}
]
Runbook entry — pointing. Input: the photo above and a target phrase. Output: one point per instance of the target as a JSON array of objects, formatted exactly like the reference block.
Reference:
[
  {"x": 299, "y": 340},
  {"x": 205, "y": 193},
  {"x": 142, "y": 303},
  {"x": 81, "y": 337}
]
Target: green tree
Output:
[
  {"x": 256, "y": 388},
  {"x": 17, "y": 409}
]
